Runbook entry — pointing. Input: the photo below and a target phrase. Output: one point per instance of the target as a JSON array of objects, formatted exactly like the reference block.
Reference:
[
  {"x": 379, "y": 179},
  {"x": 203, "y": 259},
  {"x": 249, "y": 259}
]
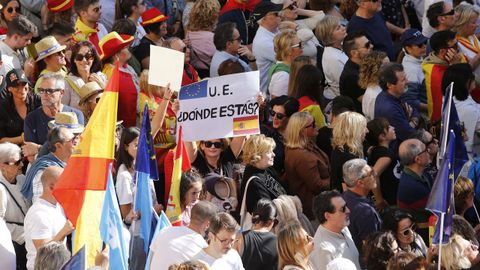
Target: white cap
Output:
[{"x": 341, "y": 264}]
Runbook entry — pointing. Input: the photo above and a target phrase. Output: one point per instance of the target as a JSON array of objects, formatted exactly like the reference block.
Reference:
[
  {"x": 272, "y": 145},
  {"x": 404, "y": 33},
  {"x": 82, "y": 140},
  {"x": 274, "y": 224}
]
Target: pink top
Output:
[{"x": 202, "y": 48}]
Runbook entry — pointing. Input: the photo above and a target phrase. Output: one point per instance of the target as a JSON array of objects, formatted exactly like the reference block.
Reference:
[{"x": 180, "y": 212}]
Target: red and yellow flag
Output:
[
  {"x": 180, "y": 164},
  {"x": 81, "y": 188},
  {"x": 433, "y": 84}
]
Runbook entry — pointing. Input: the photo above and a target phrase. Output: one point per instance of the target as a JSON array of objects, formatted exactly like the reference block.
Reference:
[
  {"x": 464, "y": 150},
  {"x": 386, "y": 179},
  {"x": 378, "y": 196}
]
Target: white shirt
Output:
[
  {"x": 9, "y": 210},
  {"x": 279, "y": 84},
  {"x": 10, "y": 59},
  {"x": 175, "y": 245},
  {"x": 124, "y": 187},
  {"x": 413, "y": 69},
  {"x": 37, "y": 186},
  {"x": 470, "y": 54},
  {"x": 368, "y": 101},
  {"x": 333, "y": 61},
  {"x": 262, "y": 48},
  {"x": 7, "y": 251},
  {"x": 43, "y": 221},
  {"x": 469, "y": 113},
  {"x": 229, "y": 261}
]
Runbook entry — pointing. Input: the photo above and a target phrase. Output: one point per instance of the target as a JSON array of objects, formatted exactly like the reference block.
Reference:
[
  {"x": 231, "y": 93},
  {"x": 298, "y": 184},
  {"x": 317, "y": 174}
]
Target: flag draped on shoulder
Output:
[
  {"x": 81, "y": 187},
  {"x": 111, "y": 229},
  {"x": 180, "y": 164},
  {"x": 441, "y": 196},
  {"x": 145, "y": 171}
]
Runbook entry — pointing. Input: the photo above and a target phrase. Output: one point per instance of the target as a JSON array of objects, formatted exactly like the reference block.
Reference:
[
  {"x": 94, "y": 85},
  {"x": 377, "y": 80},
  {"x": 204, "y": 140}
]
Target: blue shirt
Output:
[{"x": 219, "y": 57}]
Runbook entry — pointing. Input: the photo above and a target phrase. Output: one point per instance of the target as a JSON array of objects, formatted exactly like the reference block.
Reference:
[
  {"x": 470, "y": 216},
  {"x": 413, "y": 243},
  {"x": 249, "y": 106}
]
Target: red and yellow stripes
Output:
[{"x": 433, "y": 82}]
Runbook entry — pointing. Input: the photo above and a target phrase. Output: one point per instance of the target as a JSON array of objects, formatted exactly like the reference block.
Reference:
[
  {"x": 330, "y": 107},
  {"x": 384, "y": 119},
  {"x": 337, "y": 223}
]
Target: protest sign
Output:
[
  {"x": 166, "y": 66},
  {"x": 220, "y": 107}
]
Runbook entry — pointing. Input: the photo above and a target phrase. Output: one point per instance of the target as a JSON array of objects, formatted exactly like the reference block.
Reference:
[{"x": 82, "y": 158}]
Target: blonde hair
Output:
[
  {"x": 296, "y": 65},
  {"x": 255, "y": 147},
  {"x": 453, "y": 256},
  {"x": 204, "y": 15},
  {"x": 144, "y": 85},
  {"x": 283, "y": 43},
  {"x": 370, "y": 68},
  {"x": 286, "y": 210},
  {"x": 325, "y": 29},
  {"x": 348, "y": 130},
  {"x": 294, "y": 137},
  {"x": 465, "y": 12},
  {"x": 292, "y": 239},
  {"x": 189, "y": 265}
]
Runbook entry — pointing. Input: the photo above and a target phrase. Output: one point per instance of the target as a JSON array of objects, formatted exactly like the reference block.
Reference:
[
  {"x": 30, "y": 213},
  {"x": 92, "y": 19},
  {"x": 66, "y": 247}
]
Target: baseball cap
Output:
[
  {"x": 15, "y": 76},
  {"x": 265, "y": 7},
  {"x": 412, "y": 37}
]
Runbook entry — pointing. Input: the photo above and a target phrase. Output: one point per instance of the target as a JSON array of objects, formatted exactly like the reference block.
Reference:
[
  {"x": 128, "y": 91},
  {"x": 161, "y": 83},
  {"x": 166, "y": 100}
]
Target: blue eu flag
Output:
[{"x": 194, "y": 90}]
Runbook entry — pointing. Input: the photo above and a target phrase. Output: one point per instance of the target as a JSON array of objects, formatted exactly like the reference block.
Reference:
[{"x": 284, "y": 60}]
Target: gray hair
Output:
[
  {"x": 410, "y": 151},
  {"x": 8, "y": 150},
  {"x": 353, "y": 171},
  {"x": 168, "y": 43},
  {"x": 52, "y": 255},
  {"x": 59, "y": 79}
]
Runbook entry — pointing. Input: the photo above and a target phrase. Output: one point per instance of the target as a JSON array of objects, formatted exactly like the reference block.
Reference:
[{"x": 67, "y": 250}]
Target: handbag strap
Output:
[
  {"x": 11, "y": 195},
  {"x": 243, "y": 209}
]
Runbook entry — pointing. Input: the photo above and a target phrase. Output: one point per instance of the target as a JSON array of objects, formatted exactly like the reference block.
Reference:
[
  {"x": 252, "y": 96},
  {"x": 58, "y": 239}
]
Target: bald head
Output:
[
  {"x": 409, "y": 150},
  {"x": 50, "y": 177}
]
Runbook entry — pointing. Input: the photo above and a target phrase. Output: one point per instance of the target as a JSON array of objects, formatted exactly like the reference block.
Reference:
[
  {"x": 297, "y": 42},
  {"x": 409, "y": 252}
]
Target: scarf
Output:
[
  {"x": 84, "y": 32},
  {"x": 40, "y": 163}
]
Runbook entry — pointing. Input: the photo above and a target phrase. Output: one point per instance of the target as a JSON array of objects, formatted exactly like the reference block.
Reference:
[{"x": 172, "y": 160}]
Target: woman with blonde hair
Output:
[
  {"x": 288, "y": 46},
  {"x": 465, "y": 27},
  {"x": 349, "y": 132},
  {"x": 307, "y": 170},
  {"x": 368, "y": 79},
  {"x": 459, "y": 254},
  {"x": 294, "y": 246},
  {"x": 288, "y": 210},
  {"x": 259, "y": 179},
  {"x": 202, "y": 21},
  {"x": 331, "y": 33}
]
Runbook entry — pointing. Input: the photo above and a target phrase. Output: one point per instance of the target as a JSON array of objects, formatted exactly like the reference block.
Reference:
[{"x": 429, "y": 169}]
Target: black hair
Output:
[
  {"x": 388, "y": 74},
  {"x": 264, "y": 212},
  {"x": 290, "y": 104},
  {"x": 4, "y": 4},
  {"x": 440, "y": 39},
  {"x": 122, "y": 156},
  {"x": 307, "y": 83},
  {"x": 378, "y": 249},
  {"x": 187, "y": 179},
  {"x": 230, "y": 66},
  {"x": 461, "y": 75},
  {"x": 153, "y": 28},
  {"x": 60, "y": 29},
  {"x": 82, "y": 5},
  {"x": 322, "y": 204},
  {"x": 376, "y": 127},
  {"x": 21, "y": 26},
  {"x": 125, "y": 8},
  {"x": 96, "y": 65},
  {"x": 341, "y": 104},
  {"x": 349, "y": 42},
  {"x": 392, "y": 217},
  {"x": 124, "y": 27},
  {"x": 433, "y": 11},
  {"x": 223, "y": 34}
]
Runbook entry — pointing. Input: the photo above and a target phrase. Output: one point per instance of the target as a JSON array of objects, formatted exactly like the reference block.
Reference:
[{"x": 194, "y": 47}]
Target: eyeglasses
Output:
[
  {"x": 217, "y": 145},
  {"x": 226, "y": 241},
  {"x": 312, "y": 125},
  {"x": 16, "y": 163},
  {"x": 48, "y": 91},
  {"x": 424, "y": 151},
  {"x": 407, "y": 231},
  {"x": 371, "y": 174},
  {"x": 239, "y": 39},
  {"x": 367, "y": 45},
  {"x": 88, "y": 56},
  {"x": 298, "y": 45},
  {"x": 11, "y": 9},
  {"x": 73, "y": 139},
  {"x": 450, "y": 13},
  {"x": 279, "y": 116}
]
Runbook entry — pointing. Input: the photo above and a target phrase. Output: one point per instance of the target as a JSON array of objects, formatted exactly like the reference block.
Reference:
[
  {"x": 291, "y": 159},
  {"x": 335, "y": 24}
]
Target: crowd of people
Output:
[{"x": 350, "y": 106}]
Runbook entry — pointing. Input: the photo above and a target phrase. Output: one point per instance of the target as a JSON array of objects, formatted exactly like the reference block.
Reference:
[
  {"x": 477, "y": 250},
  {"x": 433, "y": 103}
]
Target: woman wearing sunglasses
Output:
[
  {"x": 307, "y": 168},
  {"x": 402, "y": 225},
  {"x": 10, "y": 10},
  {"x": 86, "y": 67}
]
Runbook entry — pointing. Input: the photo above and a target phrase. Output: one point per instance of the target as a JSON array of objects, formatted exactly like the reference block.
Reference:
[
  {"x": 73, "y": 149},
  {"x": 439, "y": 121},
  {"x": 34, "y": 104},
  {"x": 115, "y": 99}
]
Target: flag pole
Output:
[
  {"x": 445, "y": 128},
  {"x": 134, "y": 221},
  {"x": 476, "y": 212},
  {"x": 440, "y": 242}
]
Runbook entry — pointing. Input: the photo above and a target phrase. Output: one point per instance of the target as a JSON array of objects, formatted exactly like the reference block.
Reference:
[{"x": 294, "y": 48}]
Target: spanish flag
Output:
[
  {"x": 180, "y": 164},
  {"x": 433, "y": 82},
  {"x": 81, "y": 188},
  {"x": 246, "y": 125}
]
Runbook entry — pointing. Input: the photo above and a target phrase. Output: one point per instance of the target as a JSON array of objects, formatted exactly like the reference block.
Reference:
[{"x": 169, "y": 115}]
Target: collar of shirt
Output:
[
  {"x": 85, "y": 29},
  {"x": 420, "y": 178}
]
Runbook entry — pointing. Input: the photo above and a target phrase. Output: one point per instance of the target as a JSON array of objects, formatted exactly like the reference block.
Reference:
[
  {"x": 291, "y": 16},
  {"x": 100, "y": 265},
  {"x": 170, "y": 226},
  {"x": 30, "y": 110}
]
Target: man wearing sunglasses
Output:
[
  {"x": 333, "y": 238},
  {"x": 369, "y": 19},
  {"x": 440, "y": 16},
  {"x": 414, "y": 187},
  {"x": 360, "y": 179},
  {"x": 20, "y": 32}
]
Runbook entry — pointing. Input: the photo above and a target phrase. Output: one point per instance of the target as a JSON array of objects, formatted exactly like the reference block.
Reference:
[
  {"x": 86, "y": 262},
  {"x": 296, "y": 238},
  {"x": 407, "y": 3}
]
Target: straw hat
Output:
[
  {"x": 68, "y": 120},
  {"x": 48, "y": 46},
  {"x": 59, "y": 5},
  {"x": 113, "y": 43},
  {"x": 152, "y": 15},
  {"x": 88, "y": 90}
]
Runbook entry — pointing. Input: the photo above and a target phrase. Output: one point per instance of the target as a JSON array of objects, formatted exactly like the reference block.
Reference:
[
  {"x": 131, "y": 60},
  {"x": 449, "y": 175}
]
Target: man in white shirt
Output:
[
  {"x": 332, "y": 239},
  {"x": 219, "y": 254},
  {"x": 45, "y": 220},
  {"x": 268, "y": 19},
  {"x": 178, "y": 244}
]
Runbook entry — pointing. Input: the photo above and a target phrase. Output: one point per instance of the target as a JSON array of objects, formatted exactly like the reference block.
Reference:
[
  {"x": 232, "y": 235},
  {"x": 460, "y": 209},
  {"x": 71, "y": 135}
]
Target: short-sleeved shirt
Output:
[
  {"x": 260, "y": 250},
  {"x": 227, "y": 160},
  {"x": 43, "y": 221},
  {"x": 124, "y": 186},
  {"x": 229, "y": 261},
  {"x": 390, "y": 176},
  {"x": 11, "y": 123},
  {"x": 36, "y": 124},
  {"x": 142, "y": 50}
]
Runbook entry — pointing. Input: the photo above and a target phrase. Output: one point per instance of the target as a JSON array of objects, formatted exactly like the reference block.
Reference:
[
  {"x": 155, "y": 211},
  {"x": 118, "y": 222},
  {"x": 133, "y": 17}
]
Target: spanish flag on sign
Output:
[{"x": 246, "y": 125}]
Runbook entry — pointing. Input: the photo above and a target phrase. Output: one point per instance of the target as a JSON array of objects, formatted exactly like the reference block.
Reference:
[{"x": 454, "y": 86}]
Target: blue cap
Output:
[{"x": 412, "y": 37}]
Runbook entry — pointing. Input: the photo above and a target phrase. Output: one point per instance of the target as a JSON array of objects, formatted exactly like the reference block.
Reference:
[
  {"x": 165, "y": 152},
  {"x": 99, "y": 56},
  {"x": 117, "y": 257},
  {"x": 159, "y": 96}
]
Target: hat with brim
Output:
[
  {"x": 87, "y": 91},
  {"x": 48, "y": 46},
  {"x": 217, "y": 186},
  {"x": 59, "y": 5},
  {"x": 112, "y": 43},
  {"x": 263, "y": 8},
  {"x": 15, "y": 76},
  {"x": 412, "y": 36},
  {"x": 68, "y": 120},
  {"x": 153, "y": 15}
]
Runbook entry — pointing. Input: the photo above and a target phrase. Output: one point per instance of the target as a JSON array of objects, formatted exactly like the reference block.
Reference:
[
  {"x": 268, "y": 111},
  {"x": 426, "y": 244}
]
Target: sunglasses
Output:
[
  {"x": 292, "y": 6},
  {"x": 312, "y": 125},
  {"x": 16, "y": 163},
  {"x": 411, "y": 229},
  {"x": 450, "y": 13},
  {"x": 217, "y": 145},
  {"x": 11, "y": 9},
  {"x": 367, "y": 45},
  {"x": 48, "y": 91},
  {"x": 88, "y": 56},
  {"x": 279, "y": 116},
  {"x": 298, "y": 45},
  {"x": 60, "y": 53}
]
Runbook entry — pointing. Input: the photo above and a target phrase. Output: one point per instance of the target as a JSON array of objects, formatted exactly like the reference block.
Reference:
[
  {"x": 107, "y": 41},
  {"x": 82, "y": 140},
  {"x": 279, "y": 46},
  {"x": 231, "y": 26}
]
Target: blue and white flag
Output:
[{"x": 162, "y": 223}]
